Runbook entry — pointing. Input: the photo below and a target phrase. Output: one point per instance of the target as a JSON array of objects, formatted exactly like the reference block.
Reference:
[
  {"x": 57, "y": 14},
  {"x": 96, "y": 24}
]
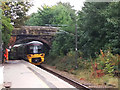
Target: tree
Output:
[
  {"x": 62, "y": 44},
  {"x": 61, "y": 14},
  {"x": 65, "y": 15},
  {"x": 33, "y": 20},
  {"x": 16, "y": 11},
  {"x": 6, "y": 31},
  {"x": 96, "y": 30},
  {"x": 112, "y": 23},
  {"x": 6, "y": 27},
  {"x": 13, "y": 12}
]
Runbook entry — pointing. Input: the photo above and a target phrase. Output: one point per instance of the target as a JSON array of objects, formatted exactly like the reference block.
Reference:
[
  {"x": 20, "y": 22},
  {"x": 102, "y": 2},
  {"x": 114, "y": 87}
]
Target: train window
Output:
[
  {"x": 31, "y": 47},
  {"x": 39, "y": 47},
  {"x": 35, "y": 49}
]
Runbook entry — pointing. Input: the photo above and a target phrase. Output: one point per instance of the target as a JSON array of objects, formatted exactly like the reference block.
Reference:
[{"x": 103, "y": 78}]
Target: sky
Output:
[{"x": 38, "y": 3}]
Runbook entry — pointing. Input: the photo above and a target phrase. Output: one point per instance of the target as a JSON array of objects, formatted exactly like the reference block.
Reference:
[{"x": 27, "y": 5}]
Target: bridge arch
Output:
[
  {"x": 27, "y": 39},
  {"x": 23, "y": 34},
  {"x": 46, "y": 45}
]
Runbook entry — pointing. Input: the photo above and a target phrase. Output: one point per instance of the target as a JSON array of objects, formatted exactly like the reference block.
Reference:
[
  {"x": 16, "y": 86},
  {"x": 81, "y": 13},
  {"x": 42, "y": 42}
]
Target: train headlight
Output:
[
  {"x": 30, "y": 55},
  {"x": 41, "y": 55}
]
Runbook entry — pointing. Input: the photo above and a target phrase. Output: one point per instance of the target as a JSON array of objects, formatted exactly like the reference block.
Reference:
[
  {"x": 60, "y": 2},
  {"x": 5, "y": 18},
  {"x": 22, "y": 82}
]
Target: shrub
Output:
[{"x": 108, "y": 62}]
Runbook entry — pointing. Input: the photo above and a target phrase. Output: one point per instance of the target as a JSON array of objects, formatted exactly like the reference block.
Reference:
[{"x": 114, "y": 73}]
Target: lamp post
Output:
[{"x": 76, "y": 52}]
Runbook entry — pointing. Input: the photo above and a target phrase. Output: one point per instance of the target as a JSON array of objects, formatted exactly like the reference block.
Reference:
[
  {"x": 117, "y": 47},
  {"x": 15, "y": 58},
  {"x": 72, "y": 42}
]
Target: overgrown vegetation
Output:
[
  {"x": 13, "y": 14},
  {"x": 106, "y": 72},
  {"x": 108, "y": 62},
  {"x": 6, "y": 30},
  {"x": 16, "y": 11},
  {"x": 61, "y": 15},
  {"x": 98, "y": 29}
]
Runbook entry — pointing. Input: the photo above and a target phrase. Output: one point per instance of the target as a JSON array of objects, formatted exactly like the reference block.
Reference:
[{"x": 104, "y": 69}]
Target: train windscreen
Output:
[{"x": 35, "y": 49}]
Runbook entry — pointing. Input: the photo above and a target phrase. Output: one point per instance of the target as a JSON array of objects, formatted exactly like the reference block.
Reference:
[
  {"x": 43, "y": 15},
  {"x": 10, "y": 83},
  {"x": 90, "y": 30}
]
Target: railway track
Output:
[{"x": 70, "y": 81}]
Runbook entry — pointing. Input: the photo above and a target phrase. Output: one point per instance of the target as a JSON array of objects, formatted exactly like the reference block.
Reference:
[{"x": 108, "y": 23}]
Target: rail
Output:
[{"x": 70, "y": 81}]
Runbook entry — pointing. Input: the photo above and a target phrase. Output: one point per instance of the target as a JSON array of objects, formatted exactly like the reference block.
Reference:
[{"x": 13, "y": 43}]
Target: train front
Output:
[{"x": 35, "y": 53}]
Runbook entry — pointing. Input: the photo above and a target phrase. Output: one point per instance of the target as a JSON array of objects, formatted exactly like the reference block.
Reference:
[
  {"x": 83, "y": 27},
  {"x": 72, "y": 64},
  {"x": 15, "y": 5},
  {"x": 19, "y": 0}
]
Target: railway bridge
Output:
[{"x": 25, "y": 34}]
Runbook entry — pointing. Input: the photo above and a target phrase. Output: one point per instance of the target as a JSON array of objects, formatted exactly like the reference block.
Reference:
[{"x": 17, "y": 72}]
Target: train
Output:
[{"x": 32, "y": 52}]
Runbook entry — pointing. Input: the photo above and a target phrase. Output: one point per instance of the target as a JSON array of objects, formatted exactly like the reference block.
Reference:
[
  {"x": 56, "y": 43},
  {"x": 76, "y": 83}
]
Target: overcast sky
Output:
[{"x": 38, "y": 3}]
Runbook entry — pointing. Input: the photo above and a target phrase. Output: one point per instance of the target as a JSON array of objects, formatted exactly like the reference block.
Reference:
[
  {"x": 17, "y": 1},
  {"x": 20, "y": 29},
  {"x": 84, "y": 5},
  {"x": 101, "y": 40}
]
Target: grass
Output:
[
  {"x": 86, "y": 76},
  {"x": 84, "y": 72}
]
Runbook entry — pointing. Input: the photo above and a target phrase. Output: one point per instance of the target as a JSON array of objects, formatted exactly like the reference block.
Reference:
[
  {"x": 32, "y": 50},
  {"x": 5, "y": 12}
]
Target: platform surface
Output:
[{"x": 22, "y": 74}]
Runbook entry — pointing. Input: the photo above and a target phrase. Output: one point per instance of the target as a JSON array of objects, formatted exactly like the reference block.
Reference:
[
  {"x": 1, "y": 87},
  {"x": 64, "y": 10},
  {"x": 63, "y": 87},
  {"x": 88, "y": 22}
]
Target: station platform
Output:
[
  {"x": 22, "y": 74},
  {"x": 1, "y": 76}
]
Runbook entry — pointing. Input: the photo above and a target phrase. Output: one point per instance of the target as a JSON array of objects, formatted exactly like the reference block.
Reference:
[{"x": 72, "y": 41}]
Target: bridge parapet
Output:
[{"x": 35, "y": 30}]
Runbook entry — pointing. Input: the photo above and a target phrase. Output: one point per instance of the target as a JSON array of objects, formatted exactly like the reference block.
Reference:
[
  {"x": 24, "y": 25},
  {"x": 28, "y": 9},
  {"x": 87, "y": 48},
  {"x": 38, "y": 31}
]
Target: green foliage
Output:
[
  {"x": 33, "y": 20},
  {"x": 62, "y": 44},
  {"x": 69, "y": 62},
  {"x": 109, "y": 68},
  {"x": 13, "y": 12},
  {"x": 6, "y": 30},
  {"x": 65, "y": 63},
  {"x": 83, "y": 63},
  {"x": 108, "y": 62},
  {"x": 60, "y": 14},
  {"x": 99, "y": 25},
  {"x": 16, "y": 11},
  {"x": 112, "y": 26}
]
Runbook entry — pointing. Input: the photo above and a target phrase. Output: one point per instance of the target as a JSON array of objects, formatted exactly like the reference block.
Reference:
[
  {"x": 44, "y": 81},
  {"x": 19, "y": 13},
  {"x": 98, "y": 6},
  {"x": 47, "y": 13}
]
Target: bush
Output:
[{"x": 108, "y": 62}]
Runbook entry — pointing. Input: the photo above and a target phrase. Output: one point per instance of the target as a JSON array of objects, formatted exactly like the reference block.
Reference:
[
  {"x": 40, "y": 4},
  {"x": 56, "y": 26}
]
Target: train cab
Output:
[{"x": 35, "y": 53}]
